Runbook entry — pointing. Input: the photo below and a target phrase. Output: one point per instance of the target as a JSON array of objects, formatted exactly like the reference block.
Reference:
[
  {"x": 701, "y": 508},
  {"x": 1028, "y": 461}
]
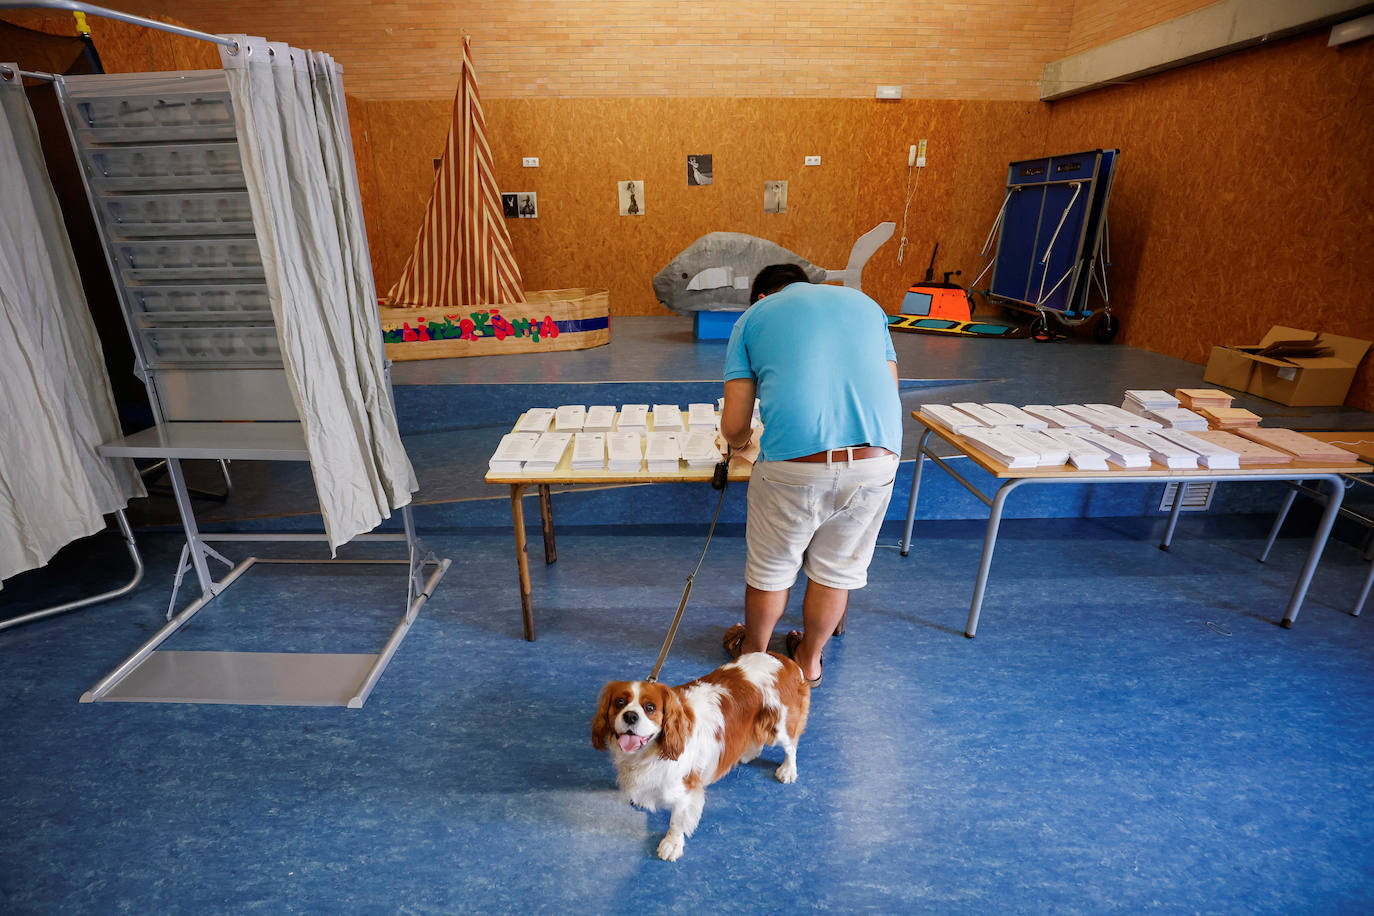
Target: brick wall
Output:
[
  {"x": 1096, "y": 22},
  {"x": 986, "y": 49}
]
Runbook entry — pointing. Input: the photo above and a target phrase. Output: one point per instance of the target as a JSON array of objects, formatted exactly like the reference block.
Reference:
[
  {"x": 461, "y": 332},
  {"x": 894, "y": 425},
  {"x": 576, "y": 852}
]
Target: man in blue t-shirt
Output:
[{"x": 821, "y": 363}]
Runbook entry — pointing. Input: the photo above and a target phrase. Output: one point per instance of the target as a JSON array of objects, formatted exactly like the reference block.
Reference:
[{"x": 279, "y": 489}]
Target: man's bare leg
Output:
[
  {"x": 762, "y": 611},
  {"x": 823, "y": 608}
]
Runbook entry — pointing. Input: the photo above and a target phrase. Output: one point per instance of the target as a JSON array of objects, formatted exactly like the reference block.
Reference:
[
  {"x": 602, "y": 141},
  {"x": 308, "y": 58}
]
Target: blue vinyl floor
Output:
[{"x": 1130, "y": 732}]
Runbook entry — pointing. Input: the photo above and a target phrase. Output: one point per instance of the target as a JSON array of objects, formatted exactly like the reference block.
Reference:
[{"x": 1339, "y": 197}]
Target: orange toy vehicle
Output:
[{"x": 931, "y": 307}]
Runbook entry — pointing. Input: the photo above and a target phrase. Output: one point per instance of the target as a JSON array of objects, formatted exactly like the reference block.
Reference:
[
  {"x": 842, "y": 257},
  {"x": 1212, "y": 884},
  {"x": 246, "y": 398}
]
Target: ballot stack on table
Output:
[
  {"x": 635, "y": 438},
  {"x": 1190, "y": 429}
]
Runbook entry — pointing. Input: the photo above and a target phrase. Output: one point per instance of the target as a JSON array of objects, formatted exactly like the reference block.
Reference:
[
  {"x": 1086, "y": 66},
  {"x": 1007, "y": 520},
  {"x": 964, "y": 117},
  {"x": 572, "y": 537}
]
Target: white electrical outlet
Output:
[
  {"x": 813, "y": 160},
  {"x": 530, "y": 162}
]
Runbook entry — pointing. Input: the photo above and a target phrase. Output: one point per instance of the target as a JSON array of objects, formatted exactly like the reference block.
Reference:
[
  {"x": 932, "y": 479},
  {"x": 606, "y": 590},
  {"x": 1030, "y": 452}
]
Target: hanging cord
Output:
[
  {"x": 913, "y": 178},
  {"x": 718, "y": 480}
]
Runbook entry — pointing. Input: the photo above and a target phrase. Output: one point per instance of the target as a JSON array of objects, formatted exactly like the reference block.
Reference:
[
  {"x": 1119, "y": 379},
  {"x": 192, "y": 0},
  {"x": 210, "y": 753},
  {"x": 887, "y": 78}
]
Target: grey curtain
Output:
[{"x": 56, "y": 408}]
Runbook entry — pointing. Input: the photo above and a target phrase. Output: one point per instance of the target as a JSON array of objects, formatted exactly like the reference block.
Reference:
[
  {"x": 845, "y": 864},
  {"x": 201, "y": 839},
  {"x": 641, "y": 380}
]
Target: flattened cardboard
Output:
[{"x": 1321, "y": 381}]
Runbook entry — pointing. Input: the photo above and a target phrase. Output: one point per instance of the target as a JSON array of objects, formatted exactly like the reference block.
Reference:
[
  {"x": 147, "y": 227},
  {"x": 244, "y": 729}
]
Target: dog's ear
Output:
[
  {"x": 677, "y": 725},
  {"x": 602, "y": 728}
]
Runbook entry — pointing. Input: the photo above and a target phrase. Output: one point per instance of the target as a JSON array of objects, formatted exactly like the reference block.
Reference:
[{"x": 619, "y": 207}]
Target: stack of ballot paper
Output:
[
  {"x": 1004, "y": 446},
  {"x": 569, "y": 418},
  {"x": 633, "y": 417},
  {"x": 953, "y": 419},
  {"x": 1055, "y": 417},
  {"x": 1229, "y": 417},
  {"x": 1178, "y": 418},
  {"x": 1302, "y": 448},
  {"x": 1209, "y": 455},
  {"x": 984, "y": 414},
  {"x": 535, "y": 420},
  {"x": 702, "y": 416},
  {"x": 1145, "y": 401},
  {"x": 1050, "y": 453},
  {"x": 1017, "y": 416},
  {"x": 1096, "y": 418},
  {"x": 513, "y": 451},
  {"x": 589, "y": 452},
  {"x": 1193, "y": 398},
  {"x": 667, "y": 417},
  {"x": 1249, "y": 454},
  {"x": 600, "y": 419},
  {"x": 624, "y": 451},
  {"x": 1163, "y": 451},
  {"x": 1084, "y": 455},
  {"x": 699, "y": 449},
  {"x": 661, "y": 451},
  {"x": 548, "y": 451},
  {"x": 1125, "y": 417},
  {"x": 1120, "y": 452}
]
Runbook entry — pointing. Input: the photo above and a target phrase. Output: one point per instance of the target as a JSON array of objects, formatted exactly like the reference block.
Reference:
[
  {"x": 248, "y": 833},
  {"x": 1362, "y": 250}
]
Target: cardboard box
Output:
[{"x": 1318, "y": 381}]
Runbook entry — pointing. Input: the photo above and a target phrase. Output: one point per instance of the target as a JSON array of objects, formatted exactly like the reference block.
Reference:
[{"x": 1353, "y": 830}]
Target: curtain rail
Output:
[
  {"x": 91, "y": 10},
  {"x": 9, "y": 73}
]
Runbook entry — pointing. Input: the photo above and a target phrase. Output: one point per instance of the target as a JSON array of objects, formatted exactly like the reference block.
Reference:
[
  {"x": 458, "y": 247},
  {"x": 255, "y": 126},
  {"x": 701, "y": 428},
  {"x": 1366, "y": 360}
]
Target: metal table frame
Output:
[
  {"x": 1010, "y": 481},
  {"x": 264, "y": 442}
]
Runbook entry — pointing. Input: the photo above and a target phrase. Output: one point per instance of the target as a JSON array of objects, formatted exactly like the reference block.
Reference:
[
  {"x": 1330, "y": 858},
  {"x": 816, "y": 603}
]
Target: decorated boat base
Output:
[{"x": 549, "y": 320}]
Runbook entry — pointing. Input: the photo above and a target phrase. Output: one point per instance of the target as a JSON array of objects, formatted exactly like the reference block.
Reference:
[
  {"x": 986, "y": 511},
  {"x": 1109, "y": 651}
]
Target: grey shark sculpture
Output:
[{"x": 714, "y": 272}]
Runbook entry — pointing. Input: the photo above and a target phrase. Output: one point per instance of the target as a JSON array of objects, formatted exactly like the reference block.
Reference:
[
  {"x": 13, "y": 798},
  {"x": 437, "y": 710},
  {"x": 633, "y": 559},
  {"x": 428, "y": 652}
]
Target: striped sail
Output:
[{"x": 462, "y": 255}]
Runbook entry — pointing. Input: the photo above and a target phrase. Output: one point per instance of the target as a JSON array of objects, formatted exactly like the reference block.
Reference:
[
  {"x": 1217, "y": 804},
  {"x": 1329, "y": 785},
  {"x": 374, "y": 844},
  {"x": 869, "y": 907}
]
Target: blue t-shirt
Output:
[{"x": 818, "y": 355}]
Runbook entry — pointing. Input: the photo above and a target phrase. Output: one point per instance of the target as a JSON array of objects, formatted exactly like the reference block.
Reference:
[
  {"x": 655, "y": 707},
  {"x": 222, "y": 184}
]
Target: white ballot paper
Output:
[{"x": 535, "y": 420}]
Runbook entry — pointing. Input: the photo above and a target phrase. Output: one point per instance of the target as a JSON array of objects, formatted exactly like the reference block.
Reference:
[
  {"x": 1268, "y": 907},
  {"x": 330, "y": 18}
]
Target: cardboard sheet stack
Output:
[
  {"x": 1195, "y": 398},
  {"x": 624, "y": 451},
  {"x": 1248, "y": 454},
  {"x": 1304, "y": 449},
  {"x": 1230, "y": 417}
]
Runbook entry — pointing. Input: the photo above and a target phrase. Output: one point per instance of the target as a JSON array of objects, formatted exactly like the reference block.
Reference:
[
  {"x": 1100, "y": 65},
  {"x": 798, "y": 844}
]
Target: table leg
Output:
[
  {"x": 985, "y": 564},
  {"x": 546, "y": 518},
  {"x": 522, "y": 563},
  {"x": 1364, "y": 592},
  {"x": 1173, "y": 516},
  {"x": 915, "y": 488},
  {"x": 1278, "y": 522},
  {"x": 1314, "y": 553}
]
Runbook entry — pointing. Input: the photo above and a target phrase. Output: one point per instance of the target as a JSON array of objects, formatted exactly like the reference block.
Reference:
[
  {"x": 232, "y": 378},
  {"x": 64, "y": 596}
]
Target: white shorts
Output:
[{"x": 823, "y": 518}]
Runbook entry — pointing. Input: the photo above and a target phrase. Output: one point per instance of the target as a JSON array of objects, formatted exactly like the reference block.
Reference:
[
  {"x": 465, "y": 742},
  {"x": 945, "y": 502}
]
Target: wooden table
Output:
[
  {"x": 564, "y": 475},
  {"x": 1010, "y": 480}
]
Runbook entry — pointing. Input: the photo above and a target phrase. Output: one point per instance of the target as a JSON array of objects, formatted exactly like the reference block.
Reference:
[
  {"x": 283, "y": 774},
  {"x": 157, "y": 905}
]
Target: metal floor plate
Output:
[{"x": 255, "y": 678}]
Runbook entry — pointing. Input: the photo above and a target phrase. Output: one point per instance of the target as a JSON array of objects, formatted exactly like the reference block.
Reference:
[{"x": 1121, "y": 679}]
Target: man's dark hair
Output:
[{"x": 774, "y": 277}]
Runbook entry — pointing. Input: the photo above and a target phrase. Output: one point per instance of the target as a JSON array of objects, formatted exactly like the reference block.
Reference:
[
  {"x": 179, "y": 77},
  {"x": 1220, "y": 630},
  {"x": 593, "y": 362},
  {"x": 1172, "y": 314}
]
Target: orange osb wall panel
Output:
[
  {"x": 832, "y": 48},
  {"x": 585, "y": 146},
  {"x": 1244, "y": 197},
  {"x": 125, "y": 48},
  {"x": 1098, "y": 21}
]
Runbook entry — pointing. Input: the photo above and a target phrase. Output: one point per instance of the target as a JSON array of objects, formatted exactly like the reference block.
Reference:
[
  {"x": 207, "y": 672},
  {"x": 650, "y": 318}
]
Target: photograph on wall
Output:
[
  {"x": 698, "y": 170},
  {"x": 510, "y": 205},
  {"x": 529, "y": 204},
  {"x": 775, "y": 197},
  {"x": 631, "y": 198}
]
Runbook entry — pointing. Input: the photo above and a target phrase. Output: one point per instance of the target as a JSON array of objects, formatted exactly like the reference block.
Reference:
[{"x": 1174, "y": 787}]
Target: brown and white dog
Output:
[{"x": 669, "y": 743}]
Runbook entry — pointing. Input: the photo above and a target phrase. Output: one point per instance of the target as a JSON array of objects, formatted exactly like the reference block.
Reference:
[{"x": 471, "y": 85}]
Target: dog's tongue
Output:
[{"x": 630, "y": 743}]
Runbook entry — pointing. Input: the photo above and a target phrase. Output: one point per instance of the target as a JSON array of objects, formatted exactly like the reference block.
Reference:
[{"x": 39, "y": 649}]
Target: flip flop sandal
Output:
[
  {"x": 733, "y": 640},
  {"x": 794, "y": 638}
]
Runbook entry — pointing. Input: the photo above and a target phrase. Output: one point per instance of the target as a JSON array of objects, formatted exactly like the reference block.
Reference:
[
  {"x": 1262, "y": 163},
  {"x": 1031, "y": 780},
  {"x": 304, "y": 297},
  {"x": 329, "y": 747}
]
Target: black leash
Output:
[{"x": 718, "y": 480}]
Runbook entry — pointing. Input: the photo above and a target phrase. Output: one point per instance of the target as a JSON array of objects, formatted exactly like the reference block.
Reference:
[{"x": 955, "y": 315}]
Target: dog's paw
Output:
[
  {"x": 671, "y": 846},
  {"x": 786, "y": 772}
]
